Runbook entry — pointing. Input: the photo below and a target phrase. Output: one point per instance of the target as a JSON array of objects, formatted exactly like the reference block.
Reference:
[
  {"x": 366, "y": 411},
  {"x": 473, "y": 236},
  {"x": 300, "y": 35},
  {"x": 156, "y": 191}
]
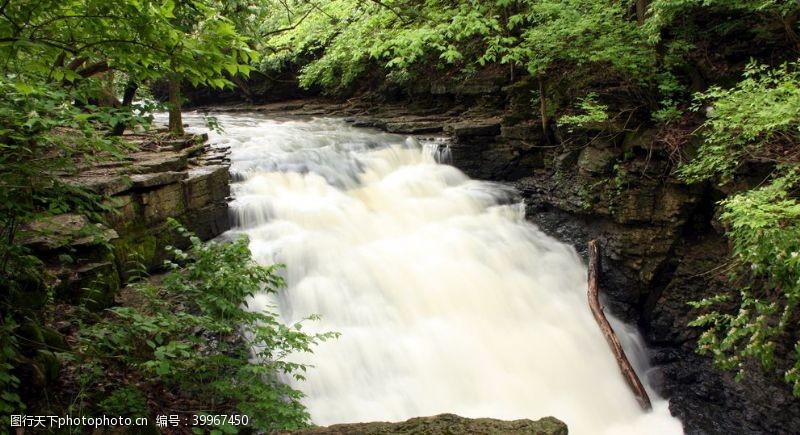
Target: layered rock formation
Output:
[{"x": 164, "y": 178}]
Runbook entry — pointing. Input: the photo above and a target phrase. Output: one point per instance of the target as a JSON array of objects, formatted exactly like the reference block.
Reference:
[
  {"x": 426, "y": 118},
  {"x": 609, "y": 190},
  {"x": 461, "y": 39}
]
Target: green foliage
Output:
[
  {"x": 10, "y": 402},
  {"x": 757, "y": 119},
  {"x": 662, "y": 13},
  {"x": 339, "y": 40},
  {"x": 75, "y": 40},
  {"x": 188, "y": 333},
  {"x": 125, "y": 401},
  {"x": 42, "y": 137},
  {"x": 582, "y": 33},
  {"x": 591, "y": 112},
  {"x": 764, "y": 225}
]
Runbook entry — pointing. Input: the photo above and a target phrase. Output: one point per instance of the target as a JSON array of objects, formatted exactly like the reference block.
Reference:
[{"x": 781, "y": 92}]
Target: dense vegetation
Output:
[
  {"x": 196, "y": 355},
  {"x": 723, "y": 72}
]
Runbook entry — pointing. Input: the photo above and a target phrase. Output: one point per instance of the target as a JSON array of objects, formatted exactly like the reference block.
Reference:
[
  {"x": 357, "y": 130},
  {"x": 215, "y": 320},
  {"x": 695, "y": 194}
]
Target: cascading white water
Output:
[{"x": 446, "y": 298}]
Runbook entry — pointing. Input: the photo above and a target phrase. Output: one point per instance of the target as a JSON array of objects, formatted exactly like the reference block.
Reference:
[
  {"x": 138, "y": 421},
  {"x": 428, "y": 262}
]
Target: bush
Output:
[
  {"x": 186, "y": 336},
  {"x": 757, "y": 119}
]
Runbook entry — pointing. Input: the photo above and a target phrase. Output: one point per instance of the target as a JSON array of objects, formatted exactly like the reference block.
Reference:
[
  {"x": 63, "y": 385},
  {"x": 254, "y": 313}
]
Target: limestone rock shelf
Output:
[{"x": 163, "y": 177}]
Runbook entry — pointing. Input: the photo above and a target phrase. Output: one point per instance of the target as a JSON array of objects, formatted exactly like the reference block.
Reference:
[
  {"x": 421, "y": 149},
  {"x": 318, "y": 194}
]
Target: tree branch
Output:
[
  {"x": 292, "y": 27},
  {"x": 95, "y": 68},
  {"x": 619, "y": 354},
  {"x": 67, "y": 17},
  {"x": 46, "y": 42},
  {"x": 403, "y": 19},
  {"x": 121, "y": 41}
]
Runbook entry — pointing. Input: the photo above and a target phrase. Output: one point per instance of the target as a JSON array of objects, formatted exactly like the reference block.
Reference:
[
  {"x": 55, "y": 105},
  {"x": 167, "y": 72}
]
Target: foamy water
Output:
[{"x": 446, "y": 299}]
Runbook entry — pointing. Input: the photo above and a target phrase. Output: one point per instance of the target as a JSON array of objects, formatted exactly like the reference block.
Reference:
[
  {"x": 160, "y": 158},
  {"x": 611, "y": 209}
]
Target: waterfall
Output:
[{"x": 446, "y": 299}]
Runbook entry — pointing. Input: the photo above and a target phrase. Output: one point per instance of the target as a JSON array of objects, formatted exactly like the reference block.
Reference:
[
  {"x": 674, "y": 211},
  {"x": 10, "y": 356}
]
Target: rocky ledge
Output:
[
  {"x": 444, "y": 424},
  {"x": 162, "y": 177}
]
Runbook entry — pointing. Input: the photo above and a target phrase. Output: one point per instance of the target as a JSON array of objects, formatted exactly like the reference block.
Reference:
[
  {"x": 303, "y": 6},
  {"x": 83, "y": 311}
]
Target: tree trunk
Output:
[
  {"x": 543, "y": 106},
  {"x": 241, "y": 83},
  {"x": 127, "y": 100},
  {"x": 597, "y": 310},
  {"x": 641, "y": 10},
  {"x": 175, "y": 120}
]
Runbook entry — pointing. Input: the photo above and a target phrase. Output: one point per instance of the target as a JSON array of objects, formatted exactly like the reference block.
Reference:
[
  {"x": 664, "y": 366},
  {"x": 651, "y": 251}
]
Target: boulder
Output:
[
  {"x": 444, "y": 424},
  {"x": 597, "y": 161}
]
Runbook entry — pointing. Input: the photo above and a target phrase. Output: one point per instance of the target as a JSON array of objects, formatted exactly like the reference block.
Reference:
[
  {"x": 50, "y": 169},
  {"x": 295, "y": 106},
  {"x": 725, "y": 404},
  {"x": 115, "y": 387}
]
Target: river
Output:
[{"x": 446, "y": 298}]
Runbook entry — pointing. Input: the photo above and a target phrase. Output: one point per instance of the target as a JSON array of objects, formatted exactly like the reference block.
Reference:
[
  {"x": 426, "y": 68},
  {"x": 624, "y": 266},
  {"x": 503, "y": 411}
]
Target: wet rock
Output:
[
  {"x": 209, "y": 221},
  {"x": 707, "y": 399},
  {"x": 520, "y": 107},
  {"x": 62, "y": 231},
  {"x": 445, "y": 424},
  {"x": 471, "y": 129},
  {"x": 413, "y": 127},
  {"x": 369, "y": 123},
  {"x": 88, "y": 261},
  {"x": 566, "y": 160}
]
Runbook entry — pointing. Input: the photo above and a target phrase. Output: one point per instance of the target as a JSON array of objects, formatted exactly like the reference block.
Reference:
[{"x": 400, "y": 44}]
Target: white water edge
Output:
[{"x": 446, "y": 299}]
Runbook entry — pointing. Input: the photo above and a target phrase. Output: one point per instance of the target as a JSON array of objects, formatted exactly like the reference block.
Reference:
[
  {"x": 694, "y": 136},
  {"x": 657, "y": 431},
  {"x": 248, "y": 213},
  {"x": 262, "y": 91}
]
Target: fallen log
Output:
[{"x": 597, "y": 310}]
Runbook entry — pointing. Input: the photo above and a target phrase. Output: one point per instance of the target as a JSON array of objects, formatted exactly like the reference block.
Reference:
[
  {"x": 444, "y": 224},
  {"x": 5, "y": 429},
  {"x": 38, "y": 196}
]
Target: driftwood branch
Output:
[{"x": 597, "y": 310}]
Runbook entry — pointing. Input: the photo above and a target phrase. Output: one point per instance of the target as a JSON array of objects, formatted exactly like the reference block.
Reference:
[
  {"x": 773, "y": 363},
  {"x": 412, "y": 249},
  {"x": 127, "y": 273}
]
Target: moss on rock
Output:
[{"x": 445, "y": 424}]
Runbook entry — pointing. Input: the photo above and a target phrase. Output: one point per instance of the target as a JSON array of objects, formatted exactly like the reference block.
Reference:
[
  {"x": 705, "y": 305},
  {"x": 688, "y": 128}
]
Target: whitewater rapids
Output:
[{"x": 446, "y": 299}]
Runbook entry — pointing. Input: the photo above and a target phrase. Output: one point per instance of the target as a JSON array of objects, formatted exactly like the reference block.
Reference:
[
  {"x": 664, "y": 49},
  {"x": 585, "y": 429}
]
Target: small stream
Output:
[{"x": 446, "y": 298}]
